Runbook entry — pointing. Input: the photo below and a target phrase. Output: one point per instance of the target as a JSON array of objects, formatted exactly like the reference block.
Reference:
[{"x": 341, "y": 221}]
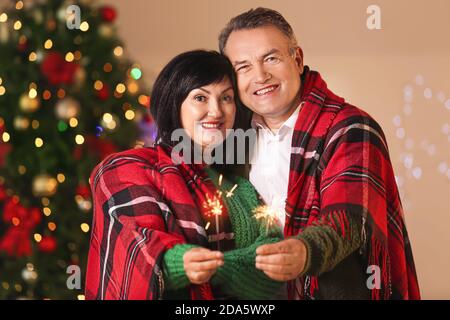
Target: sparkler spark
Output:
[{"x": 268, "y": 215}]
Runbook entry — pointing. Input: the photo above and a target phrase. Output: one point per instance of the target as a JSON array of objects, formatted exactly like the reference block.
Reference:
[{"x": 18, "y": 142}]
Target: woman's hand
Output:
[{"x": 200, "y": 264}]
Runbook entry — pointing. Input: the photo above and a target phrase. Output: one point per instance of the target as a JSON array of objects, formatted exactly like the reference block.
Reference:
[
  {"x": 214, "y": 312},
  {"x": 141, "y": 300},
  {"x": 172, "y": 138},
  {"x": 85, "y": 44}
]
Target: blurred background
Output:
[{"x": 68, "y": 98}]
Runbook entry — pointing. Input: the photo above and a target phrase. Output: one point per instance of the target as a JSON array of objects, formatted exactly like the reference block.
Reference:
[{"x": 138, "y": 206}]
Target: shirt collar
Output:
[{"x": 258, "y": 121}]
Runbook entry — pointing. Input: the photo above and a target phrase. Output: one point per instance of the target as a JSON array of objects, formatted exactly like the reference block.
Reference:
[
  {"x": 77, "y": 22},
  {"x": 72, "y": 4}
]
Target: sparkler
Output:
[
  {"x": 269, "y": 215},
  {"x": 214, "y": 207}
]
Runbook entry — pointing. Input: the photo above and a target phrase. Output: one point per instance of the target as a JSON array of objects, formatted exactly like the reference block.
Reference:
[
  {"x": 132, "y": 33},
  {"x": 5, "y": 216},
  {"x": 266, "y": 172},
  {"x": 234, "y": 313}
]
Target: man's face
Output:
[{"x": 268, "y": 72}]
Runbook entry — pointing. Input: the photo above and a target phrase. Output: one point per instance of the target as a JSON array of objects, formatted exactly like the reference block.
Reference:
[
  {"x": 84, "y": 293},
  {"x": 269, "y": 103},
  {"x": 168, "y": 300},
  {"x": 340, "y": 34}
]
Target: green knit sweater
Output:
[{"x": 238, "y": 277}]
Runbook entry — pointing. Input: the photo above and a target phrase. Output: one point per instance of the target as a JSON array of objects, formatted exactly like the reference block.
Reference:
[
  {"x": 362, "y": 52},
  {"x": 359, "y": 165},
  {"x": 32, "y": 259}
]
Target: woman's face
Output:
[{"x": 207, "y": 112}]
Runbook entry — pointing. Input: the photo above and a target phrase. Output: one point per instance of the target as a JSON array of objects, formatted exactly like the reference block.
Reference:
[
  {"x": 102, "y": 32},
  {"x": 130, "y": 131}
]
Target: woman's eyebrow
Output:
[{"x": 230, "y": 87}]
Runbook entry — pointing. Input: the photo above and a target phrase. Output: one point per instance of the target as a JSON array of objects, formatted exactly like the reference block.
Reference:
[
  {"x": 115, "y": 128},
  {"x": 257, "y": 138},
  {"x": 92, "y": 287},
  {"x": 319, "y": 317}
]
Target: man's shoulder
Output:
[{"x": 350, "y": 115}]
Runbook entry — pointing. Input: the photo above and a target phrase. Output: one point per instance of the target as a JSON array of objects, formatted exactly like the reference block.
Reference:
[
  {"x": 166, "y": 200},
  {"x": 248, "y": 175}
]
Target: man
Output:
[{"x": 326, "y": 163}]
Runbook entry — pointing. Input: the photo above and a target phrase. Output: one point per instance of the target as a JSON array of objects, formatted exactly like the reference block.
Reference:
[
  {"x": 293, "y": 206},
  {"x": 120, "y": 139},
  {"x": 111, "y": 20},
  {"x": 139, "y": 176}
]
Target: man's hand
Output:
[
  {"x": 200, "y": 264},
  {"x": 282, "y": 261}
]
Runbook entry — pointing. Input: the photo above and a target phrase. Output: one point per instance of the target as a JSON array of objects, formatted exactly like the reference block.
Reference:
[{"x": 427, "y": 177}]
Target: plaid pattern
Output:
[
  {"x": 143, "y": 206},
  {"x": 339, "y": 167}
]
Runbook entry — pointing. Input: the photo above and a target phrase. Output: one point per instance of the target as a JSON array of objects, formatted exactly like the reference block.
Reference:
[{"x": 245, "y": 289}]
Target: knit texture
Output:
[
  {"x": 238, "y": 276},
  {"x": 326, "y": 247},
  {"x": 173, "y": 267}
]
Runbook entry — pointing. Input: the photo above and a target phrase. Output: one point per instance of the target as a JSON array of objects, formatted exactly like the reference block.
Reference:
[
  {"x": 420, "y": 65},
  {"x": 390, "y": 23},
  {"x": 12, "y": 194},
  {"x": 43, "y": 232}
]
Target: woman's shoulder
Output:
[{"x": 128, "y": 162}]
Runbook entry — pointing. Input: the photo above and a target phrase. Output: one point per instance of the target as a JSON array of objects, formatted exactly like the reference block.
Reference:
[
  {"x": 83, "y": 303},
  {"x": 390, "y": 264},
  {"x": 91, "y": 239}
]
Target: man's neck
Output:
[{"x": 274, "y": 123}]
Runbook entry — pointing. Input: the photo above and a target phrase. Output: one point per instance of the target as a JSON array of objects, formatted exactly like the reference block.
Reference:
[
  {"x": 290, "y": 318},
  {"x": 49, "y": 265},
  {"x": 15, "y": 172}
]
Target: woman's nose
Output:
[{"x": 215, "y": 108}]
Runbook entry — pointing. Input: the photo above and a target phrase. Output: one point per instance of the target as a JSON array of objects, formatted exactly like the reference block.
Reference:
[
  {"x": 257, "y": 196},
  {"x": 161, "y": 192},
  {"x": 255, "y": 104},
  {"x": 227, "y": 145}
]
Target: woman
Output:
[{"x": 155, "y": 234}]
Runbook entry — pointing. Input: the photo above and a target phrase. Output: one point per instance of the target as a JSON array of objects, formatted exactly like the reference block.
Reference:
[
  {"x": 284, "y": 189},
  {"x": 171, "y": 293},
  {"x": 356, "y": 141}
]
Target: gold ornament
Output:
[
  {"x": 106, "y": 31},
  {"x": 44, "y": 185},
  {"x": 28, "y": 104},
  {"x": 29, "y": 275},
  {"x": 21, "y": 123},
  {"x": 80, "y": 77},
  {"x": 67, "y": 108}
]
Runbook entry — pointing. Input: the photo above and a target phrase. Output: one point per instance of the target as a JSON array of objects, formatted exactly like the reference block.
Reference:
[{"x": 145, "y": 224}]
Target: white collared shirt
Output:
[{"x": 270, "y": 162}]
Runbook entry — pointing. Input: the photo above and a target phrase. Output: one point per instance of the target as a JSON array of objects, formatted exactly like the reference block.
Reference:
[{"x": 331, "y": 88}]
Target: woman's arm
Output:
[{"x": 129, "y": 237}]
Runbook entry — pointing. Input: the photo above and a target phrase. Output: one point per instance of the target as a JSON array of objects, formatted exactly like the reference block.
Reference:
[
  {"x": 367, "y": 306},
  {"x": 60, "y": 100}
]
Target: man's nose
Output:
[{"x": 261, "y": 74}]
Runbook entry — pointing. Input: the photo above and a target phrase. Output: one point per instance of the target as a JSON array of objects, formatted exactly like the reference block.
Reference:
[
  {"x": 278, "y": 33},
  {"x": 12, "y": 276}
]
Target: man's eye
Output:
[
  {"x": 200, "y": 98},
  {"x": 242, "y": 68},
  {"x": 272, "y": 59}
]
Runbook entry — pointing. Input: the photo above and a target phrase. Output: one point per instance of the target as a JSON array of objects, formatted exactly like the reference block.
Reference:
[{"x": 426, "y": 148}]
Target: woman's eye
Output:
[
  {"x": 200, "y": 98},
  {"x": 227, "y": 98}
]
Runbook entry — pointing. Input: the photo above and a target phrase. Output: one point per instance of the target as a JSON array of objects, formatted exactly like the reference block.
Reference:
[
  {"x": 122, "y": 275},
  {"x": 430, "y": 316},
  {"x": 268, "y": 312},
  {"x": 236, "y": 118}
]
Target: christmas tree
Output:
[{"x": 69, "y": 96}]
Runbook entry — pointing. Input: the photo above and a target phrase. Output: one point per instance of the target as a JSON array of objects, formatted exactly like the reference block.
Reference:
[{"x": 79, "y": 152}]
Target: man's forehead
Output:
[{"x": 255, "y": 43}]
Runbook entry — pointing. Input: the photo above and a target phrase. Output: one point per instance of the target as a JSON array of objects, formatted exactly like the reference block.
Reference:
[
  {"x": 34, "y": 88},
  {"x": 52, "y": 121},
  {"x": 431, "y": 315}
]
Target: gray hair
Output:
[{"x": 255, "y": 18}]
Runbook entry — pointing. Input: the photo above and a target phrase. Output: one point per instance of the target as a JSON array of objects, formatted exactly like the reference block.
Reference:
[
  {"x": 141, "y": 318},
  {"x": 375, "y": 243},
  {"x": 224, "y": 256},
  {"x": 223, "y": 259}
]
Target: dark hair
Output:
[
  {"x": 184, "y": 73},
  {"x": 255, "y": 18}
]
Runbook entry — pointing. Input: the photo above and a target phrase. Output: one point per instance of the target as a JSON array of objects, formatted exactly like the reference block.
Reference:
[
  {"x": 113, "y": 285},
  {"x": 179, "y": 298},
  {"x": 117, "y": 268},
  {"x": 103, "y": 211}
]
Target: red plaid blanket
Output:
[{"x": 340, "y": 166}]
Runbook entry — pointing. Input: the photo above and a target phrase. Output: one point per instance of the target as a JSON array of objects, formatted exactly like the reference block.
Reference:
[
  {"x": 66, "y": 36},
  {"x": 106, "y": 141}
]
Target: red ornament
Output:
[
  {"x": 57, "y": 70},
  {"x": 48, "y": 244},
  {"x": 108, "y": 13},
  {"x": 16, "y": 240},
  {"x": 103, "y": 93}
]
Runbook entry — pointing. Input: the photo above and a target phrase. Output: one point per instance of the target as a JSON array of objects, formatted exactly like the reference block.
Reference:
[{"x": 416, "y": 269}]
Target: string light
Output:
[
  {"x": 69, "y": 56},
  {"x": 77, "y": 55},
  {"x": 81, "y": 297},
  {"x": 48, "y": 44},
  {"x": 32, "y": 56},
  {"x": 19, "y": 5},
  {"x": 62, "y": 126},
  {"x": 3, "y": 17},
  {"x": 17, "y": 25},
  {"x": 84, "y": 26},
  {"x": 79, "y": 139},
  {"x": 132, "y": 87},
  {"x": 84, "y": 227},
  {"x": 73, "y": 122},
  {"x": 5, "y": 136},
  {"x": 61, "y": 93},
  {"x": 5, "y": 285},
  {"x": 120, "y": 88},
  {"x": 98, "y": 85},
  {"x": 47, "y": 211},
  {"x": 32, "y": 93},
  {"x": 15, "y": 221},
  {"x": 51, "y": 226},
  {"x": 35, "y": 124},
  {"x": 39, "y": 142},
  {"x": 129, "y": 114},
  {"x": 107, "y": 117},
  {"x": 118, "y": 51},
  {"x": 46, "y": 95},
  {"x": 136, "y": 73},
  {"x": 107, "y": 67},
  {"x": 61, "y": 177},
  {"x": 18, "y": 287},
  {"x": 2, "y": 90},
  {"x": 22, "y": 169},
  {"x": 45, "y": 201}
]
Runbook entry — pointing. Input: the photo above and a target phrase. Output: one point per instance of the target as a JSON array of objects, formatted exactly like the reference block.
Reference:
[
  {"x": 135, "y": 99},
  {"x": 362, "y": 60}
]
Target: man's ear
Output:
[{"x": 299, "y": 58}]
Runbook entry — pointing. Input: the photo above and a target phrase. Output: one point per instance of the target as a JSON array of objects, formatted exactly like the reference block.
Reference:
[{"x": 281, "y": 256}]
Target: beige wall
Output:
[{"x": 369, "y": 68}]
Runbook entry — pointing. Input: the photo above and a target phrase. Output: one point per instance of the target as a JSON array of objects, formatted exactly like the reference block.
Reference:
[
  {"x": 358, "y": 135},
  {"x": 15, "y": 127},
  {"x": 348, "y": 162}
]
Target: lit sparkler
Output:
[
  {"x": 268, "y": 215},
  {"x": 214, "y": 207}
]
